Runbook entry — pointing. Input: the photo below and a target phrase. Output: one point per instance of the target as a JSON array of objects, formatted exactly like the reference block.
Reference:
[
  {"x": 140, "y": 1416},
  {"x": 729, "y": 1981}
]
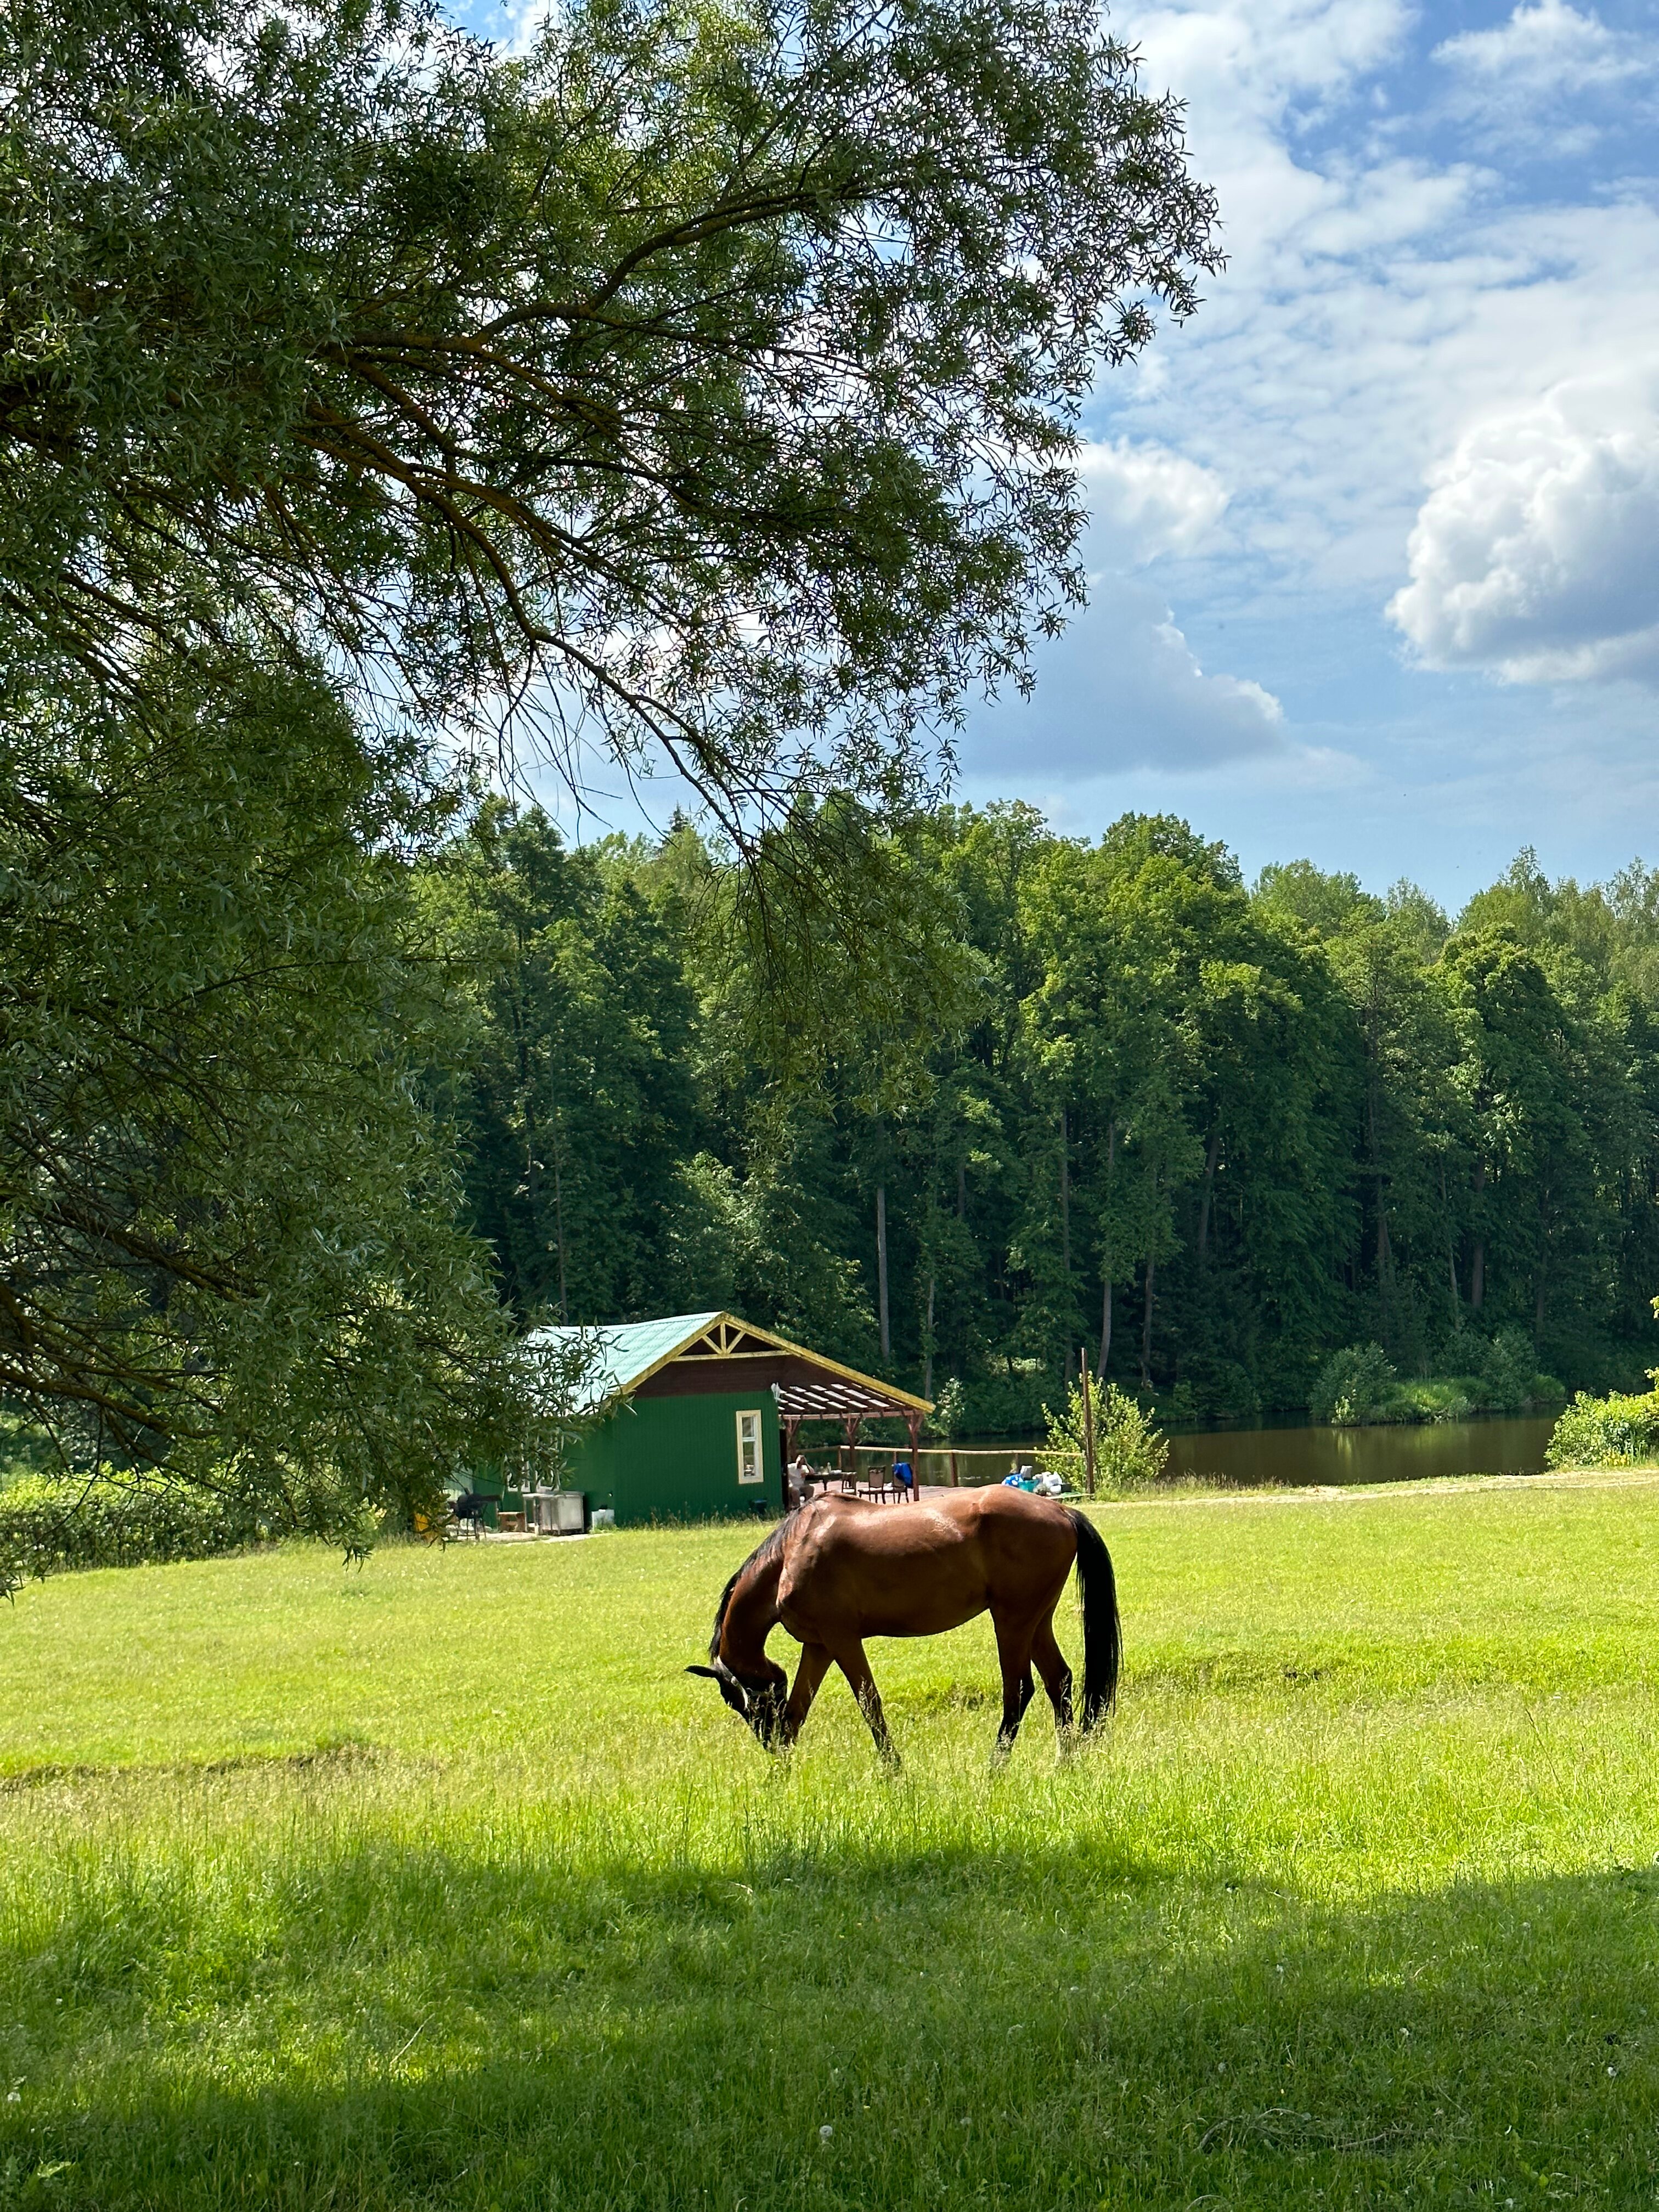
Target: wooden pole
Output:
[
  {"x": 912, "y": 1422},
  {"x": 851, "y": 1424},
  {"x": 1088, "y": 1425}
]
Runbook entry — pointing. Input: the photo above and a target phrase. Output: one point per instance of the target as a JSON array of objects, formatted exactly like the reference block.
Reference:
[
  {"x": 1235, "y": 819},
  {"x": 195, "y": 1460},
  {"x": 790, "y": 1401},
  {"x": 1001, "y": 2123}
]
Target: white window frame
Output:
[{"x": 752, "y": 1413}]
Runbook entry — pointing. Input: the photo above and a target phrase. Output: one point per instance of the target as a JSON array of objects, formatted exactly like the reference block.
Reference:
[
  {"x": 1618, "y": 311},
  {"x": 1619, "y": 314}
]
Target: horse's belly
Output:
[
  {"x": 823, "y": 1609},
  {"x": 924, "y": 1620}
]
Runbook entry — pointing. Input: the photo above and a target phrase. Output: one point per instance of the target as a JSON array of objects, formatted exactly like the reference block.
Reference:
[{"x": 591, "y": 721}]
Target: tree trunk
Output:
[
  {"x": 1379, "y": 1183},
  {"x": 1066, "y": 1236},
  {"x": 1478, "y": 1264},
  {"x": 1543, "y": 1264},
  {"x": 1064, "y": 1202},
  {"x": 1106, "y": 1261},
  {"x": 961, "y": 1190},
  {"x": 1146, "y": 1328},
  {"x": 881, "y": 1268},
  {"x": 927, "y": 1368},
  {"x": 1451, "y": 1257},
  {"x": 1210, "y": 1159},
  {"x": 558, "y": 1220}
]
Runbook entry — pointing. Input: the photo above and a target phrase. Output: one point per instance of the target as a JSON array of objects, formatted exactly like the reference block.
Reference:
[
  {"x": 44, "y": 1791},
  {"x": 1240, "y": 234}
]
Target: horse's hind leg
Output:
[
  {"x": 1050, "y": 1663},
  {"x": 1014, "y": 1652},
  {"x": 862, "y": 1683}
]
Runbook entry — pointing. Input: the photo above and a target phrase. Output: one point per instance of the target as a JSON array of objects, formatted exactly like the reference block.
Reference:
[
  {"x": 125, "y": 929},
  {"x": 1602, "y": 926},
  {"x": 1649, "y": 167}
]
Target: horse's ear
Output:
[{"x": 710, "y": 1672}]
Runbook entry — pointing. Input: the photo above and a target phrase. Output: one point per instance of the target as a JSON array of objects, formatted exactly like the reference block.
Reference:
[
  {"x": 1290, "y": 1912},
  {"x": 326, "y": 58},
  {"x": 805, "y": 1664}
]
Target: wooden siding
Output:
[{"x": 676, "y": 1458}]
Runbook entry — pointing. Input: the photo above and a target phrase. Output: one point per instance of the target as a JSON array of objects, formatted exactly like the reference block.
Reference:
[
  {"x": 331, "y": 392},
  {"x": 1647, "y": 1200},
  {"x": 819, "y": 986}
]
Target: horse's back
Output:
[{"x": 855, "y": 1569}]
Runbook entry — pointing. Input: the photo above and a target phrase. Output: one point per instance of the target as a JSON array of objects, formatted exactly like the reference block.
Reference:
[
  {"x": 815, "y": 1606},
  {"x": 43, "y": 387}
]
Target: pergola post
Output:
[{"x": 852, "y": 1423}]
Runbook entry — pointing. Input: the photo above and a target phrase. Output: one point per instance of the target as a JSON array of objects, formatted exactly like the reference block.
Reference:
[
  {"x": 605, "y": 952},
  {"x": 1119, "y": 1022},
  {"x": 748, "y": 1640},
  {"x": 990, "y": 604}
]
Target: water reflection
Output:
[
  {"x": 1303, "y": 1456},
  {"x": 1308, "y": 1456}
]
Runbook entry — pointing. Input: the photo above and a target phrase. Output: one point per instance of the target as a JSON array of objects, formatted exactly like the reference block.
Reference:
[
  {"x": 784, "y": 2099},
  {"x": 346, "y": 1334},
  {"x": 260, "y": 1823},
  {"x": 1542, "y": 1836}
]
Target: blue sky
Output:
[{"x": 1374, "y": 538}]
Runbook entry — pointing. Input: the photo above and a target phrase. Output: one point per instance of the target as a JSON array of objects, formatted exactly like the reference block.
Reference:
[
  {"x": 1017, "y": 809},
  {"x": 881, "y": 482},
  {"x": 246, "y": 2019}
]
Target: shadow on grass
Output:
[{"x": 391, "y": 2029}]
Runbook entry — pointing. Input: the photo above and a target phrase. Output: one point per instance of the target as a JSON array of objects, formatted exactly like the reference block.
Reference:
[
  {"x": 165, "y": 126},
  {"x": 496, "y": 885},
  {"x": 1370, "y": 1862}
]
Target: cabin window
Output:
[{"x": 750, "y": 1467}]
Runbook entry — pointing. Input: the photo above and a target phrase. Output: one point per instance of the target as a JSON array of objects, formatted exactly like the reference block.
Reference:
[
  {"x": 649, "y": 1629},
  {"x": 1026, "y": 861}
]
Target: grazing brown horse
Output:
[{"x": 839, "y": 1569}]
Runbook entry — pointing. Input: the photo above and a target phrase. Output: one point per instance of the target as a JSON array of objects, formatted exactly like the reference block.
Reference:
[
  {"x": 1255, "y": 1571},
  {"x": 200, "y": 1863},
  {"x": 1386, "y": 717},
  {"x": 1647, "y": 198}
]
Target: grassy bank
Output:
[{"x": 439, "y": 1884}]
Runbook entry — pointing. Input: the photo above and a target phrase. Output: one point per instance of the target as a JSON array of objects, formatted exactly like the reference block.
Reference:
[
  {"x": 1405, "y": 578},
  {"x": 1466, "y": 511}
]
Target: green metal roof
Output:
[{"x": 630, "y": 1349}]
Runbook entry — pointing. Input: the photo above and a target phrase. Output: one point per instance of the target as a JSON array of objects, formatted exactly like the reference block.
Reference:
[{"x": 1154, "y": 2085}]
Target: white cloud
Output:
[
  {"x": 1145, "y": 502},
  {"x": 1548, "y": 48},
  {"x": 1123, "y": 690},
  {"x": 1536, "y": 553}
]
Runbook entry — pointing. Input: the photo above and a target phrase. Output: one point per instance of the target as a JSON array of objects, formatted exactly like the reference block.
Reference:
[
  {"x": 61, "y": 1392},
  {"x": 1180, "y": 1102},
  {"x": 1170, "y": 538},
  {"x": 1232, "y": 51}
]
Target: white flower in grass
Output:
[{"x": 826, "y": 2133}]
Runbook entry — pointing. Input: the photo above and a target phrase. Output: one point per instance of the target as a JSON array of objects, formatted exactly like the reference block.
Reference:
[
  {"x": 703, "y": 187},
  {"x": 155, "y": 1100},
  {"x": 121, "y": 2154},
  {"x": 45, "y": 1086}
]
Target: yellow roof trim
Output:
[{"x": 902, "y": 1398}]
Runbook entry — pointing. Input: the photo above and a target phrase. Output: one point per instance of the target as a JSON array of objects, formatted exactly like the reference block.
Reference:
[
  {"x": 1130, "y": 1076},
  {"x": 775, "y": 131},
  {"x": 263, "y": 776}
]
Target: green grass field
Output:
[{"x": 439, "y": 1884}]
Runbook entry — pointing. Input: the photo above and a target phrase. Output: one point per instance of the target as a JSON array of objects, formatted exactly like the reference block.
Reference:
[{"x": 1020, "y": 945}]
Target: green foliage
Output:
[
  {"x": 1129, "y": 1452},
  {"x": 1355, "y": 1384},
  {"x": 1506, "y": 1374},
  {"x": 1620, "y": 1431},
  {"x": 949, "y": 1415},
  {"x": 1437, "y": 1398},
  {"x": 668, "y": 380},
  {"x": 1226, "y": 1134},
  {"x": 324, "y": 323},
  {"x": 50, "y": 1524},
  {"x": 1359, "y": 1384},
  {"x": 226, "y": 1217},
  {"x": 25, "y": 1447}
]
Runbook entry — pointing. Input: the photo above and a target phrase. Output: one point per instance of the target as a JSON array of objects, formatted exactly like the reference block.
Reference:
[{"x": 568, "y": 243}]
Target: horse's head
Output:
[{"x": 760, "y": 1695}]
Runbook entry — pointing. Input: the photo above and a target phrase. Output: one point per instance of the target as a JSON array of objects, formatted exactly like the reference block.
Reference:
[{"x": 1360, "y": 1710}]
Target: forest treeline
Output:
[{"x": 1211, "y": 1132}]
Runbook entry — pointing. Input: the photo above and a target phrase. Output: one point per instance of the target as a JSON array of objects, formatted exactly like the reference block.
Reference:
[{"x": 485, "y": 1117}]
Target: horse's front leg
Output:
[
  {"x": 856, "y": 1668},
  {"x": 815, "y": 1664}
]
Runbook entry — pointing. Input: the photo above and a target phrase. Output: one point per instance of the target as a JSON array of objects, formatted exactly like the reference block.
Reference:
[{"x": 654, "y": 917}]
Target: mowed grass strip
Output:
[{"x": 440, "y": 1884}]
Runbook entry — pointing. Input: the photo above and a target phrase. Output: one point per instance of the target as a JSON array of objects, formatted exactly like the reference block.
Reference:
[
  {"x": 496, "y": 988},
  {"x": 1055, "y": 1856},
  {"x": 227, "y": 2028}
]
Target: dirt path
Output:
[{"x": 1442, "y": 1486}]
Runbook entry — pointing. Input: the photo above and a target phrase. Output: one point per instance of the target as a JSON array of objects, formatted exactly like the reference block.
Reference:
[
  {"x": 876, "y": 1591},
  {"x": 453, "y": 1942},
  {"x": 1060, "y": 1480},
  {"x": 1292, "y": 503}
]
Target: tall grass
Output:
[{"x": 440, "y": 1884}]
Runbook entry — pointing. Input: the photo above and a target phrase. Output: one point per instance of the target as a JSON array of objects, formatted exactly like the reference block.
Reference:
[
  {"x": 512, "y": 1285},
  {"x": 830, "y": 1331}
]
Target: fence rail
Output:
[{"x": 950, "y": 1463}]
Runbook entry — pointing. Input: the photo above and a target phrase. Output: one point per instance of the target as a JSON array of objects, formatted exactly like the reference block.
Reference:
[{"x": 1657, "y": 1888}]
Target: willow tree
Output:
[
  {"x": 704, "y": 381},
  {"x": 695, "y": 394}
]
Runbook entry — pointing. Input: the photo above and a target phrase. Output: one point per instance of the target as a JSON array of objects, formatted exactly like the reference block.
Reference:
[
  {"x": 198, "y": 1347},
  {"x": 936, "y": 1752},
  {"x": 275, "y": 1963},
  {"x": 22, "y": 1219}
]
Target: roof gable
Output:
[{"x": 632, "y": 1351}]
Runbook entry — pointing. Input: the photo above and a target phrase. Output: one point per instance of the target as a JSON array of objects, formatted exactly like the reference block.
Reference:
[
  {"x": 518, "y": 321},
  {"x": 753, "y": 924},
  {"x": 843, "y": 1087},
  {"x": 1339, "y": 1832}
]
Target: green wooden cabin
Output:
[{"x": 700, "y": 1413}]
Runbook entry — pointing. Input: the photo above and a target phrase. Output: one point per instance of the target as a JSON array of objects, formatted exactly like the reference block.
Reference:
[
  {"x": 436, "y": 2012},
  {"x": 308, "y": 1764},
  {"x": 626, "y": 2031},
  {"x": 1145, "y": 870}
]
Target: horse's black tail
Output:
[{"x": 1102, "y": 1632}]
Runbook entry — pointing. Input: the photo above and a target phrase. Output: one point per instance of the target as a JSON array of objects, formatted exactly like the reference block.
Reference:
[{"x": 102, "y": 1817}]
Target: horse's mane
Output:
[{"x": 767, "y": 1550}]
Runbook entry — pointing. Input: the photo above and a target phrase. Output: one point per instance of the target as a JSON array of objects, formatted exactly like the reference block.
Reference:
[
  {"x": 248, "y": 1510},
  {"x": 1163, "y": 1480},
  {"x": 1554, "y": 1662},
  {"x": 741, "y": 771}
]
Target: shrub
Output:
[
  {"x": 1506, "y": 1373},
  {"x": 1440, "y": 1398},
  {"x": 946, "y": 1419},
  {"x": 1129, "y": 1452},
  {"x": 1355, "y": 1384},
  {"x": 1618, "y": 1430},
  {"x": 1231, "y": 1394},
  {"x": 51, "y": 1523}
]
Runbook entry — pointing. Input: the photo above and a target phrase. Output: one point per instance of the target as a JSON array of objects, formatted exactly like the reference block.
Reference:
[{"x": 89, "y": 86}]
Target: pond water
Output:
[
  {"x": 1384, "y": 1454},
  {"x": 1304, "y": 1455}
]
